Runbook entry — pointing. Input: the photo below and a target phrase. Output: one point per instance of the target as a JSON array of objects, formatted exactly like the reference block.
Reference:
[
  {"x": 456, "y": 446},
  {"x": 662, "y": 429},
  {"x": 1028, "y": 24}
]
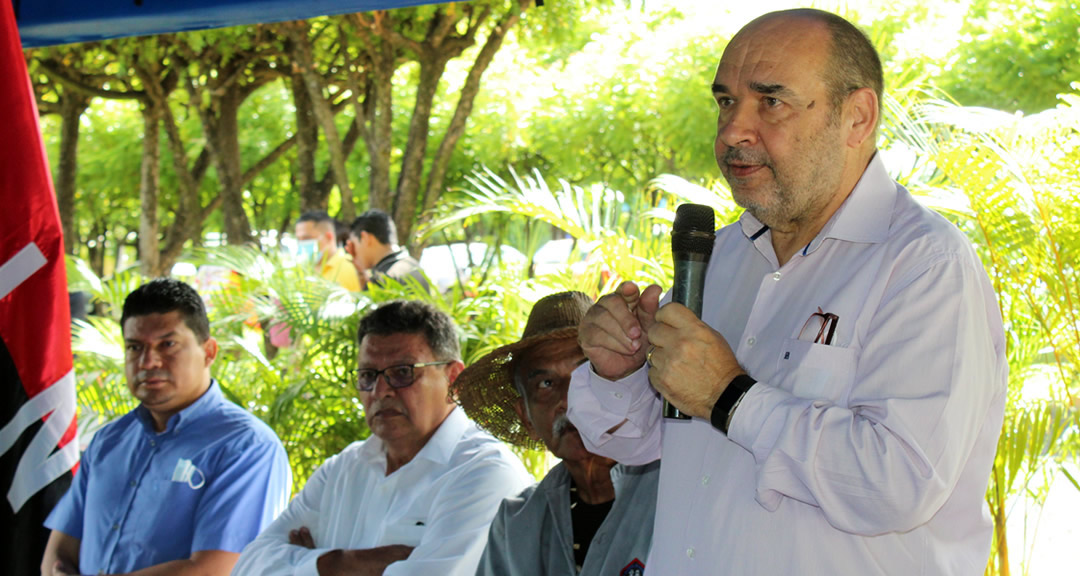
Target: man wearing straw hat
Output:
[{"x": 588, "y": 515}]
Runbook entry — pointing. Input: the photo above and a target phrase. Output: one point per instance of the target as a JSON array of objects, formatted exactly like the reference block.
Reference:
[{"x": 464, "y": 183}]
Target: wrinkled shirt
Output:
[
  {"x": 867, "y": 456},
  {"x": 211, "y": 481},
  {"x": 532, "y": 534},
  {"x": 441, "y": 503}
]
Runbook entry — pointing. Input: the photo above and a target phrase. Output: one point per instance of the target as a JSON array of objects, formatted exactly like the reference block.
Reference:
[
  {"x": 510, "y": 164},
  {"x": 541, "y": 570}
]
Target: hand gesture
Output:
[
  {"x": 691, "y": 364},
  {"x": 612, "y": 335}
]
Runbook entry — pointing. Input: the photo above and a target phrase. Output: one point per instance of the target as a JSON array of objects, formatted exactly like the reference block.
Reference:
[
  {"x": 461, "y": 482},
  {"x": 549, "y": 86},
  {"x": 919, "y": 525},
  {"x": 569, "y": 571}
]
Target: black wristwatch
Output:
[{"x": 729, "y": 400}]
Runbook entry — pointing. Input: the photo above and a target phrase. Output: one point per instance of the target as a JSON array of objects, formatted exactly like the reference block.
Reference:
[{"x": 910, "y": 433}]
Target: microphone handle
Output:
[{"x": 689, "y": 290}]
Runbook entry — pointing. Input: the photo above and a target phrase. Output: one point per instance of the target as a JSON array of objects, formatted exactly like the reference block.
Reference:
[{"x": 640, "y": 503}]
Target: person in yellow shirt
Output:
[{"x": 316, "y": 236}]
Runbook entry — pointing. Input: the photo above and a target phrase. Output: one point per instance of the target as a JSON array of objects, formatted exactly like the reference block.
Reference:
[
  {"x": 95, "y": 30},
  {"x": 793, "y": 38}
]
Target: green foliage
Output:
[
  {"x": 1012, "y": 184},
  {"x": 1015, "y": 56}
]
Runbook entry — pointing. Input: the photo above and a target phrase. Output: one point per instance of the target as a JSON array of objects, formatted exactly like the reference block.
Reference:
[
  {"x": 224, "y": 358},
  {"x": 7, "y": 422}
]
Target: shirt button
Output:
[
  {"x": 618, "y": 395},
  {"x": 776, "y": 276},
  {"x": 153, "y": 442},
  {"x": 115, "y": 527},
  {"x": 705, "y": 480},
  {"x": 689, "y": 552},
  {"x": 751, "y": 341},
  {"x": 133, "y": 483}
]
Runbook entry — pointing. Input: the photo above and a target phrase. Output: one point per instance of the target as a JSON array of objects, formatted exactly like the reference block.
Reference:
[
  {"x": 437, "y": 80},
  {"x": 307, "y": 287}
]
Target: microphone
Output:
[{"x": 692, "y": 238}]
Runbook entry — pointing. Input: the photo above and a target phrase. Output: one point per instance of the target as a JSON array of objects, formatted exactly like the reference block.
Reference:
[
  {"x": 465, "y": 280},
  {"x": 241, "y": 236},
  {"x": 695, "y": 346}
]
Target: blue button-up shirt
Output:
[{"x": 211, "y": 481}]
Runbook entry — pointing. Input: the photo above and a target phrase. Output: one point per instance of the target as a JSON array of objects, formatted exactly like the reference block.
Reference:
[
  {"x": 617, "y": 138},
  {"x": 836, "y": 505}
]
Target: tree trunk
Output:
[
  {"x": 227, "y": 163},
  {"x": 456, "y": 129},
  {"x": 96, "y": 248},
  {"x": 304, "y": 63},
  {"x": 149, "y": 182},
  {"x": 72, "y": 107},
  {"x": 412, "y": 164},
  {"x": 307, "y": 142},
  {"x": 381, "y": 141}
]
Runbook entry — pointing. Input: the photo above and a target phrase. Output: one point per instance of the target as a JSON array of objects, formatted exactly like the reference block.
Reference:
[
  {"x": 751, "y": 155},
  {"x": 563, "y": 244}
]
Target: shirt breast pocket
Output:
[
  {"x": 407, "y": 532},
  {"x": 816, "y": 371}
]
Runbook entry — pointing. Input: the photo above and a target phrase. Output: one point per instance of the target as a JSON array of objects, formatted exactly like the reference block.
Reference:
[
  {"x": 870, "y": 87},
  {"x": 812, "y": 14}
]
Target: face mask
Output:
[{"x": 307, "y": 249}]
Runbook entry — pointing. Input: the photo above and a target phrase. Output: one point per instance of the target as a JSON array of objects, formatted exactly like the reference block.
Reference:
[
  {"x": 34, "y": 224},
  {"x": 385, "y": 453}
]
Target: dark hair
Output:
[
  {"x": 853, "y": 61},
  {"x": 164, "y": 295},
  {"x": 316, "y": 216},
  {"x": 376, "y": 223},
  {"x": 414, "y": 317},
  {"x": 341, "y": 233}
]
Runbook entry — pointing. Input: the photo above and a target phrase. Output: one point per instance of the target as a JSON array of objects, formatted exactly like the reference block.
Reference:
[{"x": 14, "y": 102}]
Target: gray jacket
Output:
[{"x": 532, "y": 532}]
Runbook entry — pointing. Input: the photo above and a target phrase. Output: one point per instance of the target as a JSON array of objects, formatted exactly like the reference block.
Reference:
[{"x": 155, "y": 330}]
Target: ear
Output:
[
  {"x": 452, "y": 371},
  {"x": 861, "y": 116},
  {"x": 210, "y": 348},
  {"x": 523, "y": 416}
]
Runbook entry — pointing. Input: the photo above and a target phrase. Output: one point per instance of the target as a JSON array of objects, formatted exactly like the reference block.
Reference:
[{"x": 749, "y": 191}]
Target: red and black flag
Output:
[{"x": 37, "y": 384}]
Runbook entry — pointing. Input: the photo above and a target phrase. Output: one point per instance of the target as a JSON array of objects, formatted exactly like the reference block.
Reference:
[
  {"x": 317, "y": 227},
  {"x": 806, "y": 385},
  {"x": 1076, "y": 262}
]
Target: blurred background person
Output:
[
  {"x": 316, "y": 238},
  {"x": 373, "y": 245}
]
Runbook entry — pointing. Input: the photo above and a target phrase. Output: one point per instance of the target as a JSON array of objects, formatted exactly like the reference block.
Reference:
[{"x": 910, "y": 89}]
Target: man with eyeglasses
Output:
[{"x": 418, "y": 496}]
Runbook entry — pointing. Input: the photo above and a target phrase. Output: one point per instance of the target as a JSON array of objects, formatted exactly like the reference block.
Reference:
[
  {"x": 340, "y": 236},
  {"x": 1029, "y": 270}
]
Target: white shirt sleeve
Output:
[
  {"x": 270, "y": 554},
  {"x": 461, "y": 516},
  {"x": 922, "y": 396},
  {"x": 596, "y": 405}
]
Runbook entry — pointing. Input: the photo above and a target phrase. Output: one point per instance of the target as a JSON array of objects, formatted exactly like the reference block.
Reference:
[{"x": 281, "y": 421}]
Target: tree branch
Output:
[
  {"x": 456, "y": 128},
  {"x": 268, "y": 160},
  {"x": 63, "y": 79}
]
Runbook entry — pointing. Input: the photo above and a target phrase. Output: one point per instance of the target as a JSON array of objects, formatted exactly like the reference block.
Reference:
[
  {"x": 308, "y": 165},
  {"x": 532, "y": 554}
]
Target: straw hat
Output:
[{"x": 486, "y": 388}]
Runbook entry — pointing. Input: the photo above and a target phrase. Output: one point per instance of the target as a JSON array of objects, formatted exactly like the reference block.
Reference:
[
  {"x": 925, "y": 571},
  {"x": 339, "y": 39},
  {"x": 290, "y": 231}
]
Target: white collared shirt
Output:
[
  {"x": 867, "y": 456},
  {"x": 441, "y": 503}
]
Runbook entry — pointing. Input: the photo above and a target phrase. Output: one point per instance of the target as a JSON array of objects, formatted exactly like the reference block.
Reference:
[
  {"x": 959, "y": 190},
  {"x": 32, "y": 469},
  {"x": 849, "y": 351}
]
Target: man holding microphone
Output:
[{"x": 847, "y": 378}]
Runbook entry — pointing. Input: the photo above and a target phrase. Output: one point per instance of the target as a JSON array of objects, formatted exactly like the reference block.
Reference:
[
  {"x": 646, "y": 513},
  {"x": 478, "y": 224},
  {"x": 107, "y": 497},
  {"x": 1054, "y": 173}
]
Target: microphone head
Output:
[{"x": 694, "y": 230}]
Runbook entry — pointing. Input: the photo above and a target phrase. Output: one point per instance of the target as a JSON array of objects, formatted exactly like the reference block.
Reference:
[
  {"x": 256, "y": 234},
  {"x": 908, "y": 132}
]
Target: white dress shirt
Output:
[
  {"x": 441, "y": 502},
  {"x": 867, "y": 456}
]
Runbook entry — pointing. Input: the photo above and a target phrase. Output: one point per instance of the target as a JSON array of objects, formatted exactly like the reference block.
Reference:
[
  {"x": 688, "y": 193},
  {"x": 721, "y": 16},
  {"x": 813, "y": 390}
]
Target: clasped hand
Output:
[{"x": 691, "y": 364}]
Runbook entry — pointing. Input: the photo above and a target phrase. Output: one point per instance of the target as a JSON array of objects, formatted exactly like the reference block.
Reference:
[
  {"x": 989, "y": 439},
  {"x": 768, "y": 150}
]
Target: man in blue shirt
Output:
[{"x": 183, "y": 482}]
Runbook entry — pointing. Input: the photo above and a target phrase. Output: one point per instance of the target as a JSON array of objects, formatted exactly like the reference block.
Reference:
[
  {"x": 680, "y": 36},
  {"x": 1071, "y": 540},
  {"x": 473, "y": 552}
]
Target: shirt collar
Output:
[
  {"x": 442, "y": 444},
  {"x": 211, "y": 398},
  {"x": 391, "y": 257},
  {"x": 863, "y": 217},
  {"x": 331, "y": 260}
]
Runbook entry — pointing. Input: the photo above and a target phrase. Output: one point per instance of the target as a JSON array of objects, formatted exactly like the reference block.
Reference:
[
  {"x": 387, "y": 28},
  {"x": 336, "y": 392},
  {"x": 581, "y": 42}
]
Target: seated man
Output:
[
  {"x": 183, "y": 482},
  {"x": 417, "y": 497},
  {"x": 588, "y": 515},
  {"x": 316, "y": 235},
  {"x": 373, "y": 245}
]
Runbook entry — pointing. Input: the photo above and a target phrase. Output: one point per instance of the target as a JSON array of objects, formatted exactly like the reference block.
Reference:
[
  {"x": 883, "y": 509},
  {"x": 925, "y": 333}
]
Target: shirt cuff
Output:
[
  {"x": 748, "y": 425},
  {"x": 619, "y": 396}
]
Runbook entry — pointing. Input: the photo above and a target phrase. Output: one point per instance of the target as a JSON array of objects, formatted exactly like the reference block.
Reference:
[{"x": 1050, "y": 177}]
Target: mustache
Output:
[
  {"x": 144, "y": 375},
  {"x": 388, "y": 403},
  {"x": 745, "y": 156},
  {"x": 561, "y": 425}
]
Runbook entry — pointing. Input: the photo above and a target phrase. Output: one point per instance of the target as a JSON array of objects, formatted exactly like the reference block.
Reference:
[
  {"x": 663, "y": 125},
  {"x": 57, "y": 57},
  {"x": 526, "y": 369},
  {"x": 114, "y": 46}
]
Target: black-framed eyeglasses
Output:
[{"x": 400, "y": 376}]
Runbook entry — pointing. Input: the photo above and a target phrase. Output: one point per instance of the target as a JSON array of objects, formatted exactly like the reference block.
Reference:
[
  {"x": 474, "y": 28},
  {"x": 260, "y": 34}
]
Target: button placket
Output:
[{"x": 130, "y": 499}]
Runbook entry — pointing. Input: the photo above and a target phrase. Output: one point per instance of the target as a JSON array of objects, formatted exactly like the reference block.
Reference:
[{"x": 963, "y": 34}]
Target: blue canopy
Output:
[{"x": 47, "y": 22}]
